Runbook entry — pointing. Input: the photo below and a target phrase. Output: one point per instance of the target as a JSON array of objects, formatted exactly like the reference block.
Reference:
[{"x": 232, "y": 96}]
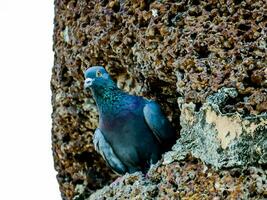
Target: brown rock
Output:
[{"x": 157, "y": 49}]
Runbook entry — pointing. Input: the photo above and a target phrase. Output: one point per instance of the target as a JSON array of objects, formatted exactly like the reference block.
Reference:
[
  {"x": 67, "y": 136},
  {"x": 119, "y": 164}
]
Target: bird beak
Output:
[{"x": 88, "y": 82}]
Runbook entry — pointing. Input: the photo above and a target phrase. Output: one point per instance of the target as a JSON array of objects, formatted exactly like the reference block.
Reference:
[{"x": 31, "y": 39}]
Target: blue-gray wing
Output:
[
  {"x": 106, "y": 151},
  {"x": 159, "y": 124}
]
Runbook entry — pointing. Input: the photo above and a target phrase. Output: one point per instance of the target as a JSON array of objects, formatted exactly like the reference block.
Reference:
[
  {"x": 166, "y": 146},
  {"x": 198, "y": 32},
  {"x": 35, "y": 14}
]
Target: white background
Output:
[{"x": 26, "y": 60}]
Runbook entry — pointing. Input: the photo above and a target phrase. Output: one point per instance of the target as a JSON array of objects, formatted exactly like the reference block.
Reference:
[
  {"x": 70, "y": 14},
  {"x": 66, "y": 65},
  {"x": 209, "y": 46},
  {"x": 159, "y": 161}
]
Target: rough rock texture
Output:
[
  {"x": 190, "y": 179},
  {"x": 158, "y": 49},
  {"x": 221, "y": 140}
]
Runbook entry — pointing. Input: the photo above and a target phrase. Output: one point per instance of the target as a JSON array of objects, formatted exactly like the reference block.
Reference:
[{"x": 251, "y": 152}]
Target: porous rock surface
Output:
[
  {"x": 190, "y": 179},
  {"x": 221, "y": 140},
  {"x": 165, "y": 50}
]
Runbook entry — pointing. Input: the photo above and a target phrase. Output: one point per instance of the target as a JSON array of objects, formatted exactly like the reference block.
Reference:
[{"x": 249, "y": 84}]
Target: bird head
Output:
[{"x": 97, "y": 78}]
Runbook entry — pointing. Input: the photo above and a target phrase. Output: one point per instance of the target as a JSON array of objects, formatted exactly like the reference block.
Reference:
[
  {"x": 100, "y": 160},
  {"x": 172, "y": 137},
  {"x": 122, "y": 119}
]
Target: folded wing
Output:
[
  {"x": 159, "y": 124},
  {"x": 104, "y": 148}
]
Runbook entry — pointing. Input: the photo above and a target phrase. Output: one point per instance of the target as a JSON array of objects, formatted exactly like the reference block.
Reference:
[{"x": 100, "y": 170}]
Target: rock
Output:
[
  {"x": 188, "y": 179},
  {"x": 221, "y": 140},
  {"x": 162, "y": 50}
]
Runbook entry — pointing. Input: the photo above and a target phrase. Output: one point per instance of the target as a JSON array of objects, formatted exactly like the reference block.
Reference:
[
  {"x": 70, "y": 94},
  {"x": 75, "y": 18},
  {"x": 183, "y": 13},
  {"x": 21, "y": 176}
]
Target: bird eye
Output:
[{"x": 98, "y": 73}]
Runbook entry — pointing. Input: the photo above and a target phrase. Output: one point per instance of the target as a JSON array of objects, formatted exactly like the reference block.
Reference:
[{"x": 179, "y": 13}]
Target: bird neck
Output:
[{"x": 108, "y": 99}]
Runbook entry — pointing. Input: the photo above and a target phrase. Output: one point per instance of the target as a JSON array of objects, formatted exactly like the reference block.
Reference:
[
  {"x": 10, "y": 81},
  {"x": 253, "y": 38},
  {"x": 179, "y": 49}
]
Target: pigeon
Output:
[{"x": 133, "y": 132}]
